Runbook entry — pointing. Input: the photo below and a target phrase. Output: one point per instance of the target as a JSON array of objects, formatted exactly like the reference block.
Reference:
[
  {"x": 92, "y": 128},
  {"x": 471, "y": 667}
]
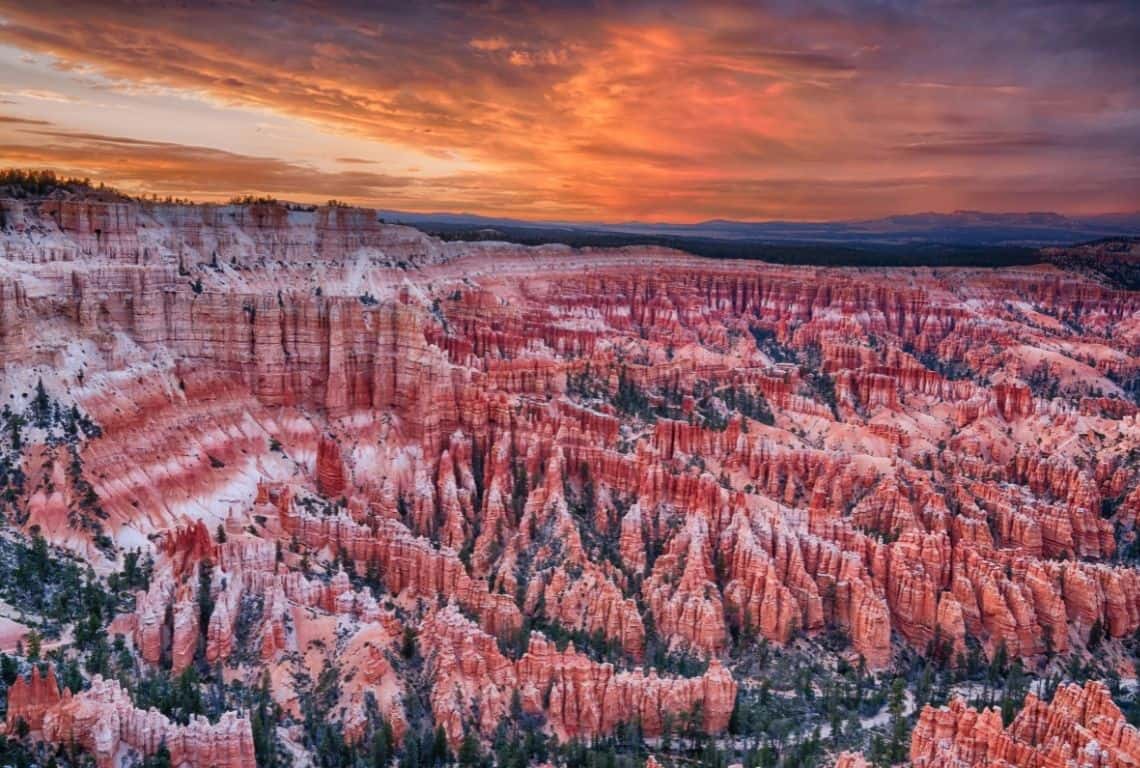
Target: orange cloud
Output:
[
  {"x": 683, "y": 112},
  {"x": 489, "y": 44}
]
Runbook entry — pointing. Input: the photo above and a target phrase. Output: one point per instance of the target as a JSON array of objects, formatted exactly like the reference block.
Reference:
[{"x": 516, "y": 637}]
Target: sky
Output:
[{"x": 587, "y": 111}]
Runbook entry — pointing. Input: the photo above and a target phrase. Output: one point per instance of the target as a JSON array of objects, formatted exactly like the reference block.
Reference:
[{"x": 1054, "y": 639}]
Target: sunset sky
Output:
[{"x": 587, "y": 111}]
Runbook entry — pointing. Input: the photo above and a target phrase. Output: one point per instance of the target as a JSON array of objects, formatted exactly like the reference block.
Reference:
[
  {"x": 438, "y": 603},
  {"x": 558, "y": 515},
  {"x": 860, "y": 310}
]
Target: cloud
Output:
[
  {"x": 675, "y": 110},
  {"x": 166, "y": 168},
  {"x": 39, "y": 94},
  {"x": 21, "y": 121},
  {"x": 980, "y": 144},
  {"x": 489, "y": 44},
  {"x": 203, "y": 173}
]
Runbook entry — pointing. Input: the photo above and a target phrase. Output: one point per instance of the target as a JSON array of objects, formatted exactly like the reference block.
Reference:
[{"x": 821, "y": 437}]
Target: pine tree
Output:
[
  {"x": 34, "y": 644},
  {"x": 897, "y": 747},
  {"x": 1096, "y": 634},
  {"x": 470, "y": 751},
  {"x": 9, "y": 668},
  {"x": 41, "y": 405},
  {"x": 383, "y": 742},
  {"x": 262, "y": 725},
  {"x": 440, "y": 753},
  {"x": 160, "y": 758},
  {"x": 205, "y": 605}
]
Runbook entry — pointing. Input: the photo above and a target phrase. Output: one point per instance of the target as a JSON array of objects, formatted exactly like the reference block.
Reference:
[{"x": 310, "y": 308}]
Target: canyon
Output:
[{"x": 574, "y": 488}]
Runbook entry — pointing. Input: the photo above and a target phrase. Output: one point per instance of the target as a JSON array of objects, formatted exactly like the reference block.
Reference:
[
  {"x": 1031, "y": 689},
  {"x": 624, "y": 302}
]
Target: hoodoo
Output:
[{"x": 388, "y": 492}]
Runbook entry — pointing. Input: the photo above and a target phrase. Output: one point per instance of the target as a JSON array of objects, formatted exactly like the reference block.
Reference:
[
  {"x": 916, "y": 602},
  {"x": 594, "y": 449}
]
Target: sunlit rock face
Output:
[
  {"x": 103, "y": 720},
  {"x": 439, "y": 461},
  {"x": 1080, "y": 726}
]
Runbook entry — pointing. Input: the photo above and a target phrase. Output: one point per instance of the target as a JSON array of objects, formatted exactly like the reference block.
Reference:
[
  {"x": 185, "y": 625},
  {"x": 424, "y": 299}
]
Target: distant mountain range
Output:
[{"x": 961, "y": 228}]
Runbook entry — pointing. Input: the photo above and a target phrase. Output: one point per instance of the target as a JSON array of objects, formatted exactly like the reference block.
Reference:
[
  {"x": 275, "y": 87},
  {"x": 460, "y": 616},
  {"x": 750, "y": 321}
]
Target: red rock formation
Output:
[
  {"x": 579, "y": 697},
  {"x": 682, "y": 592},
  {"x": 587, "y": 698},
  {"x": 330, "y": 468},
  {"x": 851, "y": 760},
  {"x": 1014, "y": 400},
  {"x": 594, "y": 604},
  {"x": 408, "y": 563},
  {"x": 1080, "y": 726},
  {"x": 103, "y": 721},
  {"x": 543, "y": 434},
  {"x": 29, "y": 698}
]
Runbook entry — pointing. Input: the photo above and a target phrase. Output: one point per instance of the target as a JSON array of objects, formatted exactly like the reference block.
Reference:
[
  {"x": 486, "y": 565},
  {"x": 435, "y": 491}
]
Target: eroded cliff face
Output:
[
  {"x": 1081, "y": 726},
  {"x": 579, "y": 697},
  {"x": 502, "y": 449},
  {"x": 103, "y": 721}
]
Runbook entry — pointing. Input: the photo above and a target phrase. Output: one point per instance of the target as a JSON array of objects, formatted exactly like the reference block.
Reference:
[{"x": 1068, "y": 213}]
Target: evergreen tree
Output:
[
  {"x": 263, "y": 726},
  {"x": 382, "y": 746},
  {"x": 205, "y": 605},
  {"x": 34, "y": 644},
  {"x": 898, "y": 746},
  {"x": 440, "y": 752},
  {"x": 41, "y": 405},
  {"x": 470, "y": 751},
  {"x": 160, "y": 758}
]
